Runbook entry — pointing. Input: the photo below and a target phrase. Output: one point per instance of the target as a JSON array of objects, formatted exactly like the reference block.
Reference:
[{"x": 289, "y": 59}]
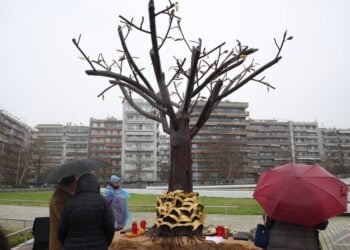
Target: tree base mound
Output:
[{"x": 178, "y": 214}]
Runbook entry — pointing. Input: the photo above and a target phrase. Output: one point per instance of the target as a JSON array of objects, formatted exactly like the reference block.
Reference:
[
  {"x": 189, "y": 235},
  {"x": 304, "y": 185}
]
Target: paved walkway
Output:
[{"x": 235, "y": 222}]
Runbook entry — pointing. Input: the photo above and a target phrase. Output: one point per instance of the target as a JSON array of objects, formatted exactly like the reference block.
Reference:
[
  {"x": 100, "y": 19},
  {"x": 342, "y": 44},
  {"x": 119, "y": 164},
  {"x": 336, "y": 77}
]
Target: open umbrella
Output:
[
  {"x": 74, "y": 167},
  {"x": 302, "y": 194}
]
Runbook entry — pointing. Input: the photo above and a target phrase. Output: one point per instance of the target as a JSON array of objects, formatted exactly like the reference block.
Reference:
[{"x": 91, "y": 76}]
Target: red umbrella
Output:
[{"x": 302, "y": 194}]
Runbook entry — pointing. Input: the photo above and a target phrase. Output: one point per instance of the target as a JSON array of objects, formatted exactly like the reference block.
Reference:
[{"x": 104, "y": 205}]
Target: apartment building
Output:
[
  {"x": 336, "y": 150},
  {"x": 56, "y": 144},
  {"x": 219, "y": 149},
  {"x": 49, "y": 138},
  {"x": 75, "y": 142},
  {"x": 268, "y": 144},
  {"x": 306, "y": 144},
  {"x": 139, "y": 151},
  {"x": 105, "y": 143},
  {"x": 15, "y": 146},
  {"x": 228, "y": 148},
  {"x": 163, "y": 158}
]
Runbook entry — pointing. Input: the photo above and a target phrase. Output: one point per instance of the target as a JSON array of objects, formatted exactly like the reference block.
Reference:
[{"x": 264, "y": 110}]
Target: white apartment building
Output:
[
  {"x": 163, "y": 166},
  {"x": 57, "y": 144},
  {"x": 139, "y": 144},
  {"x": 306, "y": 142},
  {"x": 75, "y": 142}
]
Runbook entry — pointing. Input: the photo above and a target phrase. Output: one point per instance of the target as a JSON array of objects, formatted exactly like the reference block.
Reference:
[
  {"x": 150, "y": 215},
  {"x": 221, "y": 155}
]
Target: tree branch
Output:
[
  {"x": 139, "y": 92},
  {"x": 216, "y": 73},
  {"x": 177, "y": 72},
  {"x": 133, "y": 25},
  {"x": 250, "y": 77},
  {"x": 211, "y": 103},
  {"x": 182, "y": 34},
  {"x": 123, "y": 78},
  {"x": 82, "y": 52},
  {"x": 191, "y": 80},
  {"x": 166, "y": 9},
  {"x": 137, "y": 107},
  {"x": 131, "y": 61},
  {"x": 164, "y": 122},
  {"x": 211, "y": 51},
  {"x": 158, "y": 69},
  {"x": 171, "y": 17}
]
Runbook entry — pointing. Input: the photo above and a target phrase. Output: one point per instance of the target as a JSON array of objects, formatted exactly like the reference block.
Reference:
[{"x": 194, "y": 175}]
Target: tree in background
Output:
[
  {"x": 39, "y": 157},
  {"x": 230, "y": 157},
  {"x": 210, "y": 75}
]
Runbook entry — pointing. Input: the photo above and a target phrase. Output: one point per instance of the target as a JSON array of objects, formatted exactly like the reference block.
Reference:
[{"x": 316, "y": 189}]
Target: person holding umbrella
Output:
[
  {"x": 286, "y": 235},
  {"x": 300, "y": 199},
  {"x": 116, "y": 198},
  {"x": 65, "y": 189},
  {"x": 86, "y": 221}
]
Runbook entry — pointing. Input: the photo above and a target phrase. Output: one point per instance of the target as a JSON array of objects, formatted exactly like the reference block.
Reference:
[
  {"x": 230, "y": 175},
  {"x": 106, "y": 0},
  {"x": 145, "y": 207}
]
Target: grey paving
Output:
[{"x": 234, "y": 222}]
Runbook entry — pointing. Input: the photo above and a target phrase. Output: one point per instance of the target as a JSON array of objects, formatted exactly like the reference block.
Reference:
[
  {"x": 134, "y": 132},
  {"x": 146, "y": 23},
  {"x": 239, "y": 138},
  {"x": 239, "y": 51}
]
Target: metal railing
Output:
[
  {"x": 152, "y": 208},
  {"x": 24, "y": 232},
  {"x": 21, "y": 202},
  {"x": 149, "y": 208},
  {"x": 18, "y": 226}
]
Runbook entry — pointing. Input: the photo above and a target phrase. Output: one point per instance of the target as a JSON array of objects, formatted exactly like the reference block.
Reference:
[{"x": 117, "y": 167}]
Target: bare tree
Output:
[
  {"x": 39, "y": 156},
  {"x": 10, "y": 160},
  {"x": 202, "y": 73},
  {"x": 231, "y": 158},
  {"x": 210, "y": 74},
  {"x": 24, "y": 161},
  {"x": 6, "y": 163}
]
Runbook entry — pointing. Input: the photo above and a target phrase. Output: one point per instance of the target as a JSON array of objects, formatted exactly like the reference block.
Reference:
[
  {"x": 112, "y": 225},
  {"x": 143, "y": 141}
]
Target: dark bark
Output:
[{"x": 181, "y": 160}]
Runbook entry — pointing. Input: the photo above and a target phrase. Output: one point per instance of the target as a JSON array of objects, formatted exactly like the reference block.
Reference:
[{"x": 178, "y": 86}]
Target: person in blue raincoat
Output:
[{"x": 117, "y": 198}]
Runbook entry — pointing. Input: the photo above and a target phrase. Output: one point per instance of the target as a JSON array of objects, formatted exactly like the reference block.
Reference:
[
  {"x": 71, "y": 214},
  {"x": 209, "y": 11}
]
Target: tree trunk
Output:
[{"x": 181, "y": 159}]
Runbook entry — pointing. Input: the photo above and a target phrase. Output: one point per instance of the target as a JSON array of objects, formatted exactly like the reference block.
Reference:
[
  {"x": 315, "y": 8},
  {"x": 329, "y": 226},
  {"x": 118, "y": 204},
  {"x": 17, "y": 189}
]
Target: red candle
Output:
[
  {"x": 134, "y": 228},
  {"x": 220, "y": 231},
  {"x": 143, "y": 224}
]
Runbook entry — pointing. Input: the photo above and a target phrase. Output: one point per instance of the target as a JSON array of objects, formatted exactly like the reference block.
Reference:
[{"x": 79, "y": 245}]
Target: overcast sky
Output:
[{"x": 42, "y": 79}]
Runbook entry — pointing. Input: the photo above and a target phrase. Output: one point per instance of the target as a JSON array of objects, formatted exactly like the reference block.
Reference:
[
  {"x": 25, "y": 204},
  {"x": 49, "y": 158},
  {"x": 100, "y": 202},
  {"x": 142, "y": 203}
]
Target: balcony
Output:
[{"x": 113, "y": 145}]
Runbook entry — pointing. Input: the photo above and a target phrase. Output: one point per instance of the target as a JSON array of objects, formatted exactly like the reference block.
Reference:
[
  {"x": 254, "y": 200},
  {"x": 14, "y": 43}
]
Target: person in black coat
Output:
[
  {"x": 86, "y": 221},
  {"x": 286, "y": 235}
]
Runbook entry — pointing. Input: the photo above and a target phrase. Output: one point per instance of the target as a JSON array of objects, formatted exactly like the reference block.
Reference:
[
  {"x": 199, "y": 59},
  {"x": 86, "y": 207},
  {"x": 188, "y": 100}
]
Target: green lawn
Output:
[{"x": 240, "y": 206}]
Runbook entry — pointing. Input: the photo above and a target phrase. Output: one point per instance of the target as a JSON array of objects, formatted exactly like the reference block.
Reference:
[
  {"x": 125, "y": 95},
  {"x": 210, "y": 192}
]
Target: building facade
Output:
[
  {"x": 50, "y": 141},
  {"x": 105, "y": 143},
  {"x": 15, "y": 150},
  {"x": 56, "y": 144},
  {"x": 230, "y": 147},
  {"x": 139, "y": 151},
  {"x": 75, "y": 142},
  {"x": 306, "y": 143},
  {"x": 219, "y": 149},
  {"x": 163, "y": 159},
  {"x": 268, "y": 144},
  {"x": 336, "y": 150}
]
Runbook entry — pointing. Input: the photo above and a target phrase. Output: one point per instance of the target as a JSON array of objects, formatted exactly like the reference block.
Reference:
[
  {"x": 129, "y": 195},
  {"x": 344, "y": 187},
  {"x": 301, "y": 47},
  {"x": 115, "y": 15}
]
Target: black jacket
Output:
[
  {"x": 86, "y": 221},
  {"x": 286, "y": 235}
]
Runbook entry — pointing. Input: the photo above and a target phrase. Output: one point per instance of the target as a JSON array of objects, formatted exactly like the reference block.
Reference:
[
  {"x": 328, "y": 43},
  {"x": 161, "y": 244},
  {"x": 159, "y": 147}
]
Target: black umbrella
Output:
[{"x": 74, "y": 167}]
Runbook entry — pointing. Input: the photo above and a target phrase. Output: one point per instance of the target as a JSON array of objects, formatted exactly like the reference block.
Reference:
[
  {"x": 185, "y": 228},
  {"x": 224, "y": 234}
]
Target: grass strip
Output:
[{"x": 137, "y": 202}]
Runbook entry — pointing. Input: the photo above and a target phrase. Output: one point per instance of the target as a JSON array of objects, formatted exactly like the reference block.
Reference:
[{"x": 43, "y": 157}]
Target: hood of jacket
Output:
[{"x": 88, "y": 183}]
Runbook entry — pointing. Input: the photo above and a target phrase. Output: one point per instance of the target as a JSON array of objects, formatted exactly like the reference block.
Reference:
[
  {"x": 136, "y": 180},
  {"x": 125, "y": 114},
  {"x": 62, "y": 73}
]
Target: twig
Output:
[
  {"x": 82, "y": 52},
  {"x": 133, "y": 25},
  {"x": 182, "y": 34}
]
